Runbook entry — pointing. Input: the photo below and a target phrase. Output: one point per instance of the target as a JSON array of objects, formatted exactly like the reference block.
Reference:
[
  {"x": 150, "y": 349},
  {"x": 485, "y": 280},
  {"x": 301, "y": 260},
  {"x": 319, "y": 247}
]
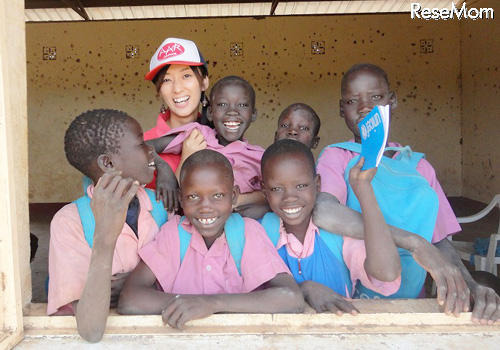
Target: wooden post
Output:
[{"x": 15, "y": 276}]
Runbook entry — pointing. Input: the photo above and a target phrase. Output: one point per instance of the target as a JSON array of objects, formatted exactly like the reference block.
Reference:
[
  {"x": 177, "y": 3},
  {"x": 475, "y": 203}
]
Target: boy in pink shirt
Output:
[
  {"x": 325, "y": 265},
  {"x": 211, "y": 260},
  {"x": 86, "y": 274},
  {"x": 364, "y": 86}
]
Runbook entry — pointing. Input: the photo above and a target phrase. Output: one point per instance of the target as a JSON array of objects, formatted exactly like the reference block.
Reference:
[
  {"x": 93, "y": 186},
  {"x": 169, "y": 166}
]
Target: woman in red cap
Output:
[{"x": 180, "y": 75}]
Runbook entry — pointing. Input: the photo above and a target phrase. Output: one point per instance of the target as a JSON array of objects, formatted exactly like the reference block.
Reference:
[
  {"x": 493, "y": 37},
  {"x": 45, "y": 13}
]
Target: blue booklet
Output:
[{"x": 374, "y": 130}]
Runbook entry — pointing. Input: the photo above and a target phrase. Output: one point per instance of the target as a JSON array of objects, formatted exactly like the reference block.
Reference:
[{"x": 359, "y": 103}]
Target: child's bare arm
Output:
[
  {"x": 453, "y": 293},
  {"x": 322, "y": 299},
  {"x": 159, "y": 144},
  {"x": 139, "y": 295},
  {"x": 252, "y": 204},
  {"x": 282, "y": 294},
  {"x": 382, "y": 257},
  {"x": 109, "y": 204},
  {"x": 193, "y": 143},
  {"x": 486, "y": 300},
  {"x": 166, "y": 184}
]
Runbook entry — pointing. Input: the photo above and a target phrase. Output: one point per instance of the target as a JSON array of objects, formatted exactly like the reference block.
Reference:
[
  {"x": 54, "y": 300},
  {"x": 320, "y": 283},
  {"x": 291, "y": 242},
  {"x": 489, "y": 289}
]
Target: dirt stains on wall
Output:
[{"x": 92, "y": 71}]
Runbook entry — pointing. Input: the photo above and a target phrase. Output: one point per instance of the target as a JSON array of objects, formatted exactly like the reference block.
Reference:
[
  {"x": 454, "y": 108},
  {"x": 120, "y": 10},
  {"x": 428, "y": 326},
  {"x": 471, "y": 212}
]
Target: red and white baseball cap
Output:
[{"x": 174, "y": 51}]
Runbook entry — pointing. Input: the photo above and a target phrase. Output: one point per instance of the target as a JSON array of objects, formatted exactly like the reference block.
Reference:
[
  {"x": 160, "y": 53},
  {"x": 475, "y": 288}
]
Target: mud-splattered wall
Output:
[
  {"x": 91, "y": 71},
  {"x": 480, "y": 107}
]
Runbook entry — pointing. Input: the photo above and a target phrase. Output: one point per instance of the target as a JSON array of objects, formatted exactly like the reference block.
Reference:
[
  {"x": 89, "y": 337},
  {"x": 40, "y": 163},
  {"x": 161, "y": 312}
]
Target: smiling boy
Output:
[
  {"x": 86, "y": 273},
  {"x": 194, "y": 261}
]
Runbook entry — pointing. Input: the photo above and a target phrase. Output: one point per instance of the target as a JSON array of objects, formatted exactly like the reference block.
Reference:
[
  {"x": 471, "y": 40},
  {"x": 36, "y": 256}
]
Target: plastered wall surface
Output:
[
  {"x": 91, "y": 71},
  {"x": 481, "y": 108}
]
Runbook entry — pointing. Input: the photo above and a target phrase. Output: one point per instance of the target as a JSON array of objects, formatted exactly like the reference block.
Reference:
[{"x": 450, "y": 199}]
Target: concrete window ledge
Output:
[{"x": 381, "y": 323}]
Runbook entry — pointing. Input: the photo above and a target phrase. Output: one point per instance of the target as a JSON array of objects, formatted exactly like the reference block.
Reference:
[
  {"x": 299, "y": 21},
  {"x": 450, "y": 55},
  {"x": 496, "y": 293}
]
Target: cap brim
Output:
[{"x": 151, "y": 75}]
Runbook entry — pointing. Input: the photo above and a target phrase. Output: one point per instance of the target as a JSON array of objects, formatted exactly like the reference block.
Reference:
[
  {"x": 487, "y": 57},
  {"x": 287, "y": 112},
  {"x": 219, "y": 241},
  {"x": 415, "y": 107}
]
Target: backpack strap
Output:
[
  {"x": 87, "y": 218},
  {"x": 405, "y": 153},
  {"x": 271, "y": 223},
  {"x": 86, "y": 182},
  {"x": 234, "y": 229},
  {"x": 235, "y": 236},
  {"x": 350, "y": 146},
  {"x": 334, "y": 242},
  {"x": 158, "y": 211},
  {"x": 184, "y": 239}
]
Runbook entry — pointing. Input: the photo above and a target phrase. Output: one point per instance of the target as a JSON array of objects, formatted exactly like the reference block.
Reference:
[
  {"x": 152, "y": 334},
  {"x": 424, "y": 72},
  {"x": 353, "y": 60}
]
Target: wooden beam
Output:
[
  {"x": 15, "y": 277},
  {"x": 273, "y": 7},
  {"x": 76, "y": 5}
]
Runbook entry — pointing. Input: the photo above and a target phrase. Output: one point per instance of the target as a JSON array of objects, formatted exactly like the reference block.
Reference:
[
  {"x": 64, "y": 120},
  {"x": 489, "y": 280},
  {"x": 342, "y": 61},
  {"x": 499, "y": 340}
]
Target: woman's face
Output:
[{"x": 181, "y": 92}]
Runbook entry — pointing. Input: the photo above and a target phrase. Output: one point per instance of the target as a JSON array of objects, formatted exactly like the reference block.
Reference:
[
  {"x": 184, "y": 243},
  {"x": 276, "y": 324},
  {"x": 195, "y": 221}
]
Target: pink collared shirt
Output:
[
  {"x": 333, "y": 162},
  {"x": 244, "y": 157},
  {"x": 69, "y": 252},
  {"x": 211, "y": 271},
  {"x": 353, "y": 252}
]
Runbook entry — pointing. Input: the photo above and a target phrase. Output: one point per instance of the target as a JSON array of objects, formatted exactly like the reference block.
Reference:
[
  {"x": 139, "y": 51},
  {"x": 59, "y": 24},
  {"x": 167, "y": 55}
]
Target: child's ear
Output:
[
  {"x": 104, "y": 163},
  {"x": 318, "y": 183},
  {"x": 209, "y": 113},
  {"x": 179, "y": 197},
  {"x": 254, "y": 115},
  {"x": 315, "y": 142},
  {"x": 393, "y": 100},
  {"x": 236, "y": 194},
  {"x": 341, "y": 108}
]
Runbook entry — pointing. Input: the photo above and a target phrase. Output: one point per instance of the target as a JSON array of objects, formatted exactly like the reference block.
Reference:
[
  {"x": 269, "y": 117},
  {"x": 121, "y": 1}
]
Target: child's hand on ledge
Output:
[
  {"x": 452, "y": 291},
  {"x": 321, "y": 298},
  {"x": 183, "y": 308},
  {"x": 486, "y": 305}
]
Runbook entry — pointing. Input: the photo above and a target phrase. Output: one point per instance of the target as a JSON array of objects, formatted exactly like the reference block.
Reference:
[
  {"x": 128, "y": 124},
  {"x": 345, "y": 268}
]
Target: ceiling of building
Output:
[{"x": 95, "y": 10}]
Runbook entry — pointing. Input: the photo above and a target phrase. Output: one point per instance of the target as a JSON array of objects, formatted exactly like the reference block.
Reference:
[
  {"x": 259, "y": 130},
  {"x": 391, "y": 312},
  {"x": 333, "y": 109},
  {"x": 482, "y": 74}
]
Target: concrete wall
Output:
[
  {"x": 480, "y": 105},
  {"x": 91, "y": 71}
]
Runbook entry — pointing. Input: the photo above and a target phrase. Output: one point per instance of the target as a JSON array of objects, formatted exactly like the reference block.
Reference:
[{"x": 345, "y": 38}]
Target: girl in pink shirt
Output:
[{"x": 188, "y": 282}]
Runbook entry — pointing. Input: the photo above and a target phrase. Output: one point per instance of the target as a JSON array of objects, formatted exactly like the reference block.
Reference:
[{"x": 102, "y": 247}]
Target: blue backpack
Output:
[
  {"x": 87, "y": 217},
  {"x": 326, "y": 265},
  {"x": 407, "y": 201},
  {"x": 234, "y": 229}
]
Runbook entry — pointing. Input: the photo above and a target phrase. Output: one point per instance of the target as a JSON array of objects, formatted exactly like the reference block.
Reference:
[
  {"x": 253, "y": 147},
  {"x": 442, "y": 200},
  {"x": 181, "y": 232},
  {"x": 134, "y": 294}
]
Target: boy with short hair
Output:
[
  {"x": 325, "y": 265},
  {"x": 363, "y": 87},
  {"x": 300, "y": 122},
  {"x": 211, "y": 260},
  {"x": 87, "y": 272}
]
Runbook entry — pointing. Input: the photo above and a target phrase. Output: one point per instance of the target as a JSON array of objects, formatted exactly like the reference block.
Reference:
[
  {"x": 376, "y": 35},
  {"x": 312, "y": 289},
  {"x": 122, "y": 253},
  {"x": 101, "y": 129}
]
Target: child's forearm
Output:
[
  {"x": 250, "y": 198},
  {"x": 281, "y": 296},
  {"x": 143, "y": 300},
  {"x": 382, "y": 257},
  {"x": 93, "y": 307},
  {"x": 161, "y": 143},
  {"x": 334, "y": 217}
]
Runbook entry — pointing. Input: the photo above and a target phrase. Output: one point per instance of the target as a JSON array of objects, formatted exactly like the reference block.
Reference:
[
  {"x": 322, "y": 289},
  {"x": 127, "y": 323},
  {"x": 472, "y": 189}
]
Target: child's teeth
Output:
[
  {"x": 232, "y": 125},
  {"x": 151, "y": 163},
  {"x": 207, "y": 221},
  {"x": 292, "y": 210}
]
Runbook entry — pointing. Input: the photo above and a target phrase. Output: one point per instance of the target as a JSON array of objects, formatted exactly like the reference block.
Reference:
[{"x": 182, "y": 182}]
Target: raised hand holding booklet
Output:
[{"x": 374, "y": 130}]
